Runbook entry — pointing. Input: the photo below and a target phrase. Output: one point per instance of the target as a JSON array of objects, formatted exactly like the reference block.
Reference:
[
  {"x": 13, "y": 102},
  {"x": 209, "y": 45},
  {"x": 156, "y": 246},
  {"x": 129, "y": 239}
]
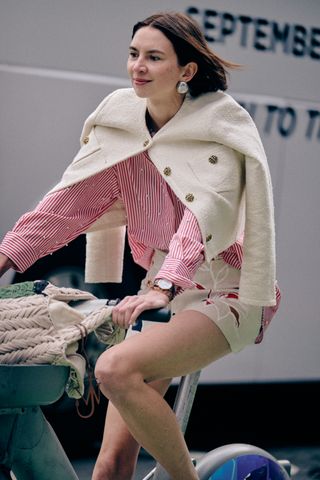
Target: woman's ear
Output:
[{"x": 189, "y": 71}]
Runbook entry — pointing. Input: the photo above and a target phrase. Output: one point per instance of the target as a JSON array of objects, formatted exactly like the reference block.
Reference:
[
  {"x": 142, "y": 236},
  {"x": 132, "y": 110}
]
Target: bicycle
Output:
[{"x": 24, "y": 389}]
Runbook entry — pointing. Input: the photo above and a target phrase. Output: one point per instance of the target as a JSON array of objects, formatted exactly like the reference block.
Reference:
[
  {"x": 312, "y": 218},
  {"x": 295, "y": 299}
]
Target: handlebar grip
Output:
[{"x": 156, "y": 315}]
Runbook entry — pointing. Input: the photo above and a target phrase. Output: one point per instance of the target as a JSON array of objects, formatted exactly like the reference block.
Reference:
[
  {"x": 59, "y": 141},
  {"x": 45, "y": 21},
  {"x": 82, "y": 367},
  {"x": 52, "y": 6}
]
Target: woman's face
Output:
[{"x": 153, "y": 65}]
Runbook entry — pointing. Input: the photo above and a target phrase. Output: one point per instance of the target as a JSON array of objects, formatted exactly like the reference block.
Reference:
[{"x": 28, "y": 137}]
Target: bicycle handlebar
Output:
[
  {"x": 156, "y": 315},
  {"x": 153, "y": 315}
]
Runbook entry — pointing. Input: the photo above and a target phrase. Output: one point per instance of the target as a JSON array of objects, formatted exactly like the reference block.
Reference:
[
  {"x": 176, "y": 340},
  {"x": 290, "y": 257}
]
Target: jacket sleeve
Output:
[{"x": 258, "y": 267}]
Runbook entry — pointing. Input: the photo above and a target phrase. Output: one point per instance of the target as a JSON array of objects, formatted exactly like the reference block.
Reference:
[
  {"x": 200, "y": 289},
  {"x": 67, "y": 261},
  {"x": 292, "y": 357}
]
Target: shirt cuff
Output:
[
  {"x": 178, "y": 273},
  {"x": 19, "y": 251}
]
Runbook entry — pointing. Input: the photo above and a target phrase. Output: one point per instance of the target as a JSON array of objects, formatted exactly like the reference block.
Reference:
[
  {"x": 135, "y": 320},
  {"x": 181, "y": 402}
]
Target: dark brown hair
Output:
[{"x": 190, "y": 46}]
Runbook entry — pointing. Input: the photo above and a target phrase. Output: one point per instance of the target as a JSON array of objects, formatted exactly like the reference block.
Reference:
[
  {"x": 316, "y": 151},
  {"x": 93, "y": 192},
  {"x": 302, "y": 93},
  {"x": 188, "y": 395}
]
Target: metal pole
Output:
[{"x": 182, "y": 408}]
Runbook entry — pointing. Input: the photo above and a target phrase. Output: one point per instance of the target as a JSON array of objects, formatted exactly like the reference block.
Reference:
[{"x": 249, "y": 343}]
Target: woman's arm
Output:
[
  {"x": 186, "y": 253},
  {"x": 184, "y": 257},
  {"x": 58, "y": 219}
]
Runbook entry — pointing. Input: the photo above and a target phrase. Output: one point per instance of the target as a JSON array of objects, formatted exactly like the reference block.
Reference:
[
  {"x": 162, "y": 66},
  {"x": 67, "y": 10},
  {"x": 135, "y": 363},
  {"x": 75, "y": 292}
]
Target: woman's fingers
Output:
[
  {"x": 128, "y": 310},
  {"x": 122, "y": 313}
]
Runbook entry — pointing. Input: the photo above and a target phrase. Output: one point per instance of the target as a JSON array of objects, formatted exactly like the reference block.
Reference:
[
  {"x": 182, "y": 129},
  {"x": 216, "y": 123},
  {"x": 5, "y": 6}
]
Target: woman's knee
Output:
[{"x": 114, "y": 371}]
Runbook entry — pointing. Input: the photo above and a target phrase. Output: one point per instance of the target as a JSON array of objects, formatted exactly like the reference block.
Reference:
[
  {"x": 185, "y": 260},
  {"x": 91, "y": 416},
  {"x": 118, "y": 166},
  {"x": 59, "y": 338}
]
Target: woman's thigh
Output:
[{"x": 189, "y": 342}]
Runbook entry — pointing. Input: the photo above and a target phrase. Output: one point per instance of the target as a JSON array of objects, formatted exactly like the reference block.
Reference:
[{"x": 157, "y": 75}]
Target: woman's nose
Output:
[{"x": 139, "y": 66}]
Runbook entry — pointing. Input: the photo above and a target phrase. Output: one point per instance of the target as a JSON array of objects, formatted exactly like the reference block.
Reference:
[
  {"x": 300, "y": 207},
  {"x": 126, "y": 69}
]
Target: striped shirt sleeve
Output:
[
  {"x": 59, "y": 218},
  {"x": 186, "y": 253}
]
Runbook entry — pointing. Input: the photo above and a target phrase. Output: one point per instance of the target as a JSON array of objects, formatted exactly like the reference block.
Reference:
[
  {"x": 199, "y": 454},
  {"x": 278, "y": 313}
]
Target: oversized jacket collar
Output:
[
  {"x": 212, "y": 117},
  {"x": 117, "y": 130}
]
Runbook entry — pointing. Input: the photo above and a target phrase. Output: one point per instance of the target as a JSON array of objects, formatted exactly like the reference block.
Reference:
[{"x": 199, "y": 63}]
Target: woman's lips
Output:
[{"x": 140, "y": 81}]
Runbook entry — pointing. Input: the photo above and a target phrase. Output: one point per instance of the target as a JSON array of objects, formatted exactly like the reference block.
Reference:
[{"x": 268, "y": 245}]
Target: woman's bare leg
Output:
[
  {"x": 187, "y": 343},
  {"x": 119, "y": 451}
]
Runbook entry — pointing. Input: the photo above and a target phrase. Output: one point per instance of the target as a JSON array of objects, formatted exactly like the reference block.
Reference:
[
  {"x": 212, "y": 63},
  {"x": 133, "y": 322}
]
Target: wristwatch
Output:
[{"x": 165, "y": 286}]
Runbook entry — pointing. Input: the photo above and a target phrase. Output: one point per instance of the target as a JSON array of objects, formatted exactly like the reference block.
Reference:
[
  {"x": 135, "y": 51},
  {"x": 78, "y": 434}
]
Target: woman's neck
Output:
[{"x": 159, "y": 114}]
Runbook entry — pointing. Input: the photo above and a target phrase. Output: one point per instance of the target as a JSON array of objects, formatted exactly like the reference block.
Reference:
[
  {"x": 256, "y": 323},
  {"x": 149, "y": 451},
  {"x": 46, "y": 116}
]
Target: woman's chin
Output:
[{"x": 140, "y": 92}]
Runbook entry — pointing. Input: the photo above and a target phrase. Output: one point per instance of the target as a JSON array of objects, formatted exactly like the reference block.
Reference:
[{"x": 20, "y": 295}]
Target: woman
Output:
[{"x": 181, "y": 164}]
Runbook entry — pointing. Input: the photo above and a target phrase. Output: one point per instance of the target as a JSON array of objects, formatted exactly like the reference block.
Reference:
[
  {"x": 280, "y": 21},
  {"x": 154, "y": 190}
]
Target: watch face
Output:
[{"x": 164, "y": 284}]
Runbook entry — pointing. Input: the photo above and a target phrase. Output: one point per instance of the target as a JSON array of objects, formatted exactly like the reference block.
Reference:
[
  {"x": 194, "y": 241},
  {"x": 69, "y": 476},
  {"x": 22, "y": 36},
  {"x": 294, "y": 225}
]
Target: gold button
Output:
[
  {"x": 213, "y": 159},
  {"x": 167, "y": 171},
  {"x": 86, "y": 140},
  {"x": 189, "y": 197},
  {"x": 145, "y": 143},
  {"x": 209, "y": 237}
]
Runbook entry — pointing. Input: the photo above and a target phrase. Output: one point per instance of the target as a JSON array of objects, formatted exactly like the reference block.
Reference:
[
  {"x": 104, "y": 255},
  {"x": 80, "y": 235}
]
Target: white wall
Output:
[{"x": 59, "y": 59}]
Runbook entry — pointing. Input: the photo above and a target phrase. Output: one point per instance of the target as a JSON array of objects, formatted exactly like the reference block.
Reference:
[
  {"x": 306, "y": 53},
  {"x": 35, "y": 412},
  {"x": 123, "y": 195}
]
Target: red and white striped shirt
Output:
[{"x": 156, "y": 219}]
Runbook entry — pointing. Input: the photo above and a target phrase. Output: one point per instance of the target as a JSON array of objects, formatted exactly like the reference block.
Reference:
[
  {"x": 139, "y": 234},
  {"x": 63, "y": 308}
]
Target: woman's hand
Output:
[
  {"x": 5, "y": 264},
  {"x": 128, "y": 310}
]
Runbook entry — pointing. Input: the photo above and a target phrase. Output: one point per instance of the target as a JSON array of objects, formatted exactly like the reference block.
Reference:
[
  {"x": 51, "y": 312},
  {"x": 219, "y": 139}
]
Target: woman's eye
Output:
[
  {"x": 133, "y": 54},
  {"x": 154, "y": 58}
]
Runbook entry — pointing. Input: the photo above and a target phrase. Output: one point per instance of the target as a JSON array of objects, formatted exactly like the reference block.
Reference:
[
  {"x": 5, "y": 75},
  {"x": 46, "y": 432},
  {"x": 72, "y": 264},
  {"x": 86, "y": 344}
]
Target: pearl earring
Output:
[{"x": 182, "y": 88}]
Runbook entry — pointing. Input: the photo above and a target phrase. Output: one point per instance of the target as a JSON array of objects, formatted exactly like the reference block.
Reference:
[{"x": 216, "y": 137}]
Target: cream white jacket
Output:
[{"x": 211, "y": 155}]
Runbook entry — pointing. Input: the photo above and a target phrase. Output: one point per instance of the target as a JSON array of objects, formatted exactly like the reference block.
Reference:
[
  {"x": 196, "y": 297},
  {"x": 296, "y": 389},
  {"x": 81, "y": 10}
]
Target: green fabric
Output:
[{"x": 17, "y": 290}]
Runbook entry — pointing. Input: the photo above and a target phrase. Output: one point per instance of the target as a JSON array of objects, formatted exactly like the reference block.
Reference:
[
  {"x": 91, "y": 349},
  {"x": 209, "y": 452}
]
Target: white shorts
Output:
[{"x": 240, "y": 323}]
